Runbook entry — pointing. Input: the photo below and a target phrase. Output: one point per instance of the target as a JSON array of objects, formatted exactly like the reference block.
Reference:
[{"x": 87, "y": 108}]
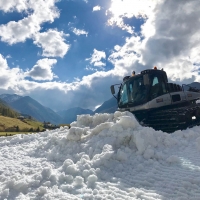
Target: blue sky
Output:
[{"x": 67, "y": 53}]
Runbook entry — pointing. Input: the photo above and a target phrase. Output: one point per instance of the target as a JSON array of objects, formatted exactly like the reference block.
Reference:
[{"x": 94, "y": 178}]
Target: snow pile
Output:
[{"x": 105, "y": 156}]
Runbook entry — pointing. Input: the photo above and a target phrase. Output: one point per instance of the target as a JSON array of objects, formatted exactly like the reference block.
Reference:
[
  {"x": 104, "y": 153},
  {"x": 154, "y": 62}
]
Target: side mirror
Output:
[
  {"x": 112, "y": 89},
  {"x": 146, "y": 79}
]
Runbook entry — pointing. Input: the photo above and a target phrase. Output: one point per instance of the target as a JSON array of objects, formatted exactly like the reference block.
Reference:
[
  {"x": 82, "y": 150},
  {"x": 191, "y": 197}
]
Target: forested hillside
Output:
[{"x": 5, "y": 110}]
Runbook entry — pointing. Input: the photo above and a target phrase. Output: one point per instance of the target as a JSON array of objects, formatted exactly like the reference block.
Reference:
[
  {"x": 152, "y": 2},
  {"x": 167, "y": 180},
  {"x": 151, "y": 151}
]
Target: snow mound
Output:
[{"x": 105, "y": 156}]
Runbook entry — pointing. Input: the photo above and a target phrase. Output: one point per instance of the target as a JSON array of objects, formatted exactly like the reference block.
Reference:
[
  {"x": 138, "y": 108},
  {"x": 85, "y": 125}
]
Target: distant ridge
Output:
[
  {"x": 70, "y": 115},
  {"x": 28, "y": 106},
  {"x": 109, "y": 106},
  {"x": 9, "y": 98},
  {"x": 195, "y": 84}
]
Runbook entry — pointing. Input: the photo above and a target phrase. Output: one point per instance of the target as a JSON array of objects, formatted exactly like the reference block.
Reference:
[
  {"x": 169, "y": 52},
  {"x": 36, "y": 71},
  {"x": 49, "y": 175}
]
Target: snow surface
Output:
[{"x": 105, "y": 156}]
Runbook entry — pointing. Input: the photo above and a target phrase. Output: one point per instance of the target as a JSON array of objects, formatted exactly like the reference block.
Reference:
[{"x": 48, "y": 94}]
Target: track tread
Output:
[{"x": 172, "y": 119}]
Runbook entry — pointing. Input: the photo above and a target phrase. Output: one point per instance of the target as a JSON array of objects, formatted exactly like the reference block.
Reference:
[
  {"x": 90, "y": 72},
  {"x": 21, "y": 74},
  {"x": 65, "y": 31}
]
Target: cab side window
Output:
[
  {"x": 155, "y": 81},
  {"x": 124, "y": 95},
  {"x": 158, "y": 87},
  {"x": 155, "y": 88}
]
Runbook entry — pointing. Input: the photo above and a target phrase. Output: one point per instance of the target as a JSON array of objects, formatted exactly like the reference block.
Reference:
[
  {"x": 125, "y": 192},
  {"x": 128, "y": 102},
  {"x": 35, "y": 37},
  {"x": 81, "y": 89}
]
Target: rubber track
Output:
[{"x": 172, "y": 119}]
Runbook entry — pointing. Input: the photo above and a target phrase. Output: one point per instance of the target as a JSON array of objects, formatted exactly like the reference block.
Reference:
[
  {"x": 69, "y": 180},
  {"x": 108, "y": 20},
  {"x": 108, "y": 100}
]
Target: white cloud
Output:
[
  {"x": 3, "y": 63},
  {"x": 8, "y": 56},
  {"x": 79, "y": 32},
  {"x": 99, "y": 64},
  {"x": 87, "y": 93},
  {"x": 9, "y": 77},
  {"x": 128, "y": 9},
  {"x": 89, "y": 68},
  {"x": 96, "y": 58},
  {"x": 77, "y": 79},
  {"x": 174, "y": 43},
  {"x": 42, "y": 71},
  {"x": 39, "y": 11},
  {"x": 96, "y": 8},
  {"x": 170, "y": 39},
  {"x": 15, "y": 32},
  {"x": 78, "y": 93},
  {"x": 52, "y": 43},
  {"x": 126, "y": 58},
  {"x": 12, "y": 5},
  {"x": 120, "y": 24}
]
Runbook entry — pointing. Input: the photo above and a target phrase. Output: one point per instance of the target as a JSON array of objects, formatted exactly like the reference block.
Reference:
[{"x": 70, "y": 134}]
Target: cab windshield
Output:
[{"x": 133, "y": 92}]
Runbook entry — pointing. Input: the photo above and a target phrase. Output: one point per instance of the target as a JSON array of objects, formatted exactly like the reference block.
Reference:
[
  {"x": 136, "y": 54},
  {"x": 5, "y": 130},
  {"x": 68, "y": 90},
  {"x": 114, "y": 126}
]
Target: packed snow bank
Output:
[{"x": 105, "y": 156}]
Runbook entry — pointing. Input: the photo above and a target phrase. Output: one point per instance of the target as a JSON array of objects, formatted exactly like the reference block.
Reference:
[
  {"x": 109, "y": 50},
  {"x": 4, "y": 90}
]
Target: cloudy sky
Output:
[{"x": 67, "y": 53}]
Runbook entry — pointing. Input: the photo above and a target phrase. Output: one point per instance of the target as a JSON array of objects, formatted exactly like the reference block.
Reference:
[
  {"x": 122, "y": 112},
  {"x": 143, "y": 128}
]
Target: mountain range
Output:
[
  {"x": 70, "y": 115},
  {"x": 109, "y": 106},
  {"x": 195, "y": 85},
  {"x": 28, "y": 106}
]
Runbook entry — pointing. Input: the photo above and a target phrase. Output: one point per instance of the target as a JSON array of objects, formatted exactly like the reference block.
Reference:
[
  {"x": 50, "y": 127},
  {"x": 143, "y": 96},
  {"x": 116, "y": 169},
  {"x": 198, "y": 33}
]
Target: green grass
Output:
[
  {"x": 34, "y": 124},
  {"x": 8, "y": 124}
]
